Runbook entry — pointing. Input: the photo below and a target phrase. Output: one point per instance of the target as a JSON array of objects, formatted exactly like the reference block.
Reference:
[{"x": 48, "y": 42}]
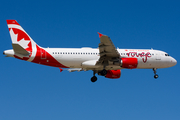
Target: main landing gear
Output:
[
  {"x": 155, "y": 75},
  {"x": 94, "y": 78},
  {"x": 103, "y": 72}
]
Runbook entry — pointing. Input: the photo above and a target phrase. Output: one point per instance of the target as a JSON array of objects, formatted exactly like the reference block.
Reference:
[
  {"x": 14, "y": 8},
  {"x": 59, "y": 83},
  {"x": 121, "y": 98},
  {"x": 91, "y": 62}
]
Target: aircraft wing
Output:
[{"x": 107, "y": 51}]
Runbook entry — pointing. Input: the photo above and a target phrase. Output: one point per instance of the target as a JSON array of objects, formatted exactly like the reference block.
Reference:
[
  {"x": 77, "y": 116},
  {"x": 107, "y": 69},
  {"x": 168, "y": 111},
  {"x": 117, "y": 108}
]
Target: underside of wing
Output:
[{"x": 107, "y": 51}]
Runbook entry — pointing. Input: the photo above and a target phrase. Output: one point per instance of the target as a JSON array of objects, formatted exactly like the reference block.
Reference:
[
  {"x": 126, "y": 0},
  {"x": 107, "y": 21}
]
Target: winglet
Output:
[{"x": 100, "y": 35}]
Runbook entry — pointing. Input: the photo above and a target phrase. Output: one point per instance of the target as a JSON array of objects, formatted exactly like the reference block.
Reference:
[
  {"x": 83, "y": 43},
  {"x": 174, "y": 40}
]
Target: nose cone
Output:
[{"x": 173, "y": 61}]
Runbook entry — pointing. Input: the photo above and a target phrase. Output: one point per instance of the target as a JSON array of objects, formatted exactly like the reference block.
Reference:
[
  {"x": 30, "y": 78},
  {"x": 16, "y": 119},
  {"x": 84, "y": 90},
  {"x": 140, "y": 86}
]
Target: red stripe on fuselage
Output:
[{"x": 44, "y": 58}]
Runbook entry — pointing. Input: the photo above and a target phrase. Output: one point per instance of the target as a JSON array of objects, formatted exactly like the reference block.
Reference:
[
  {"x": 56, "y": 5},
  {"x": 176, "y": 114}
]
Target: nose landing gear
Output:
[{"x": 155, "y": 75}]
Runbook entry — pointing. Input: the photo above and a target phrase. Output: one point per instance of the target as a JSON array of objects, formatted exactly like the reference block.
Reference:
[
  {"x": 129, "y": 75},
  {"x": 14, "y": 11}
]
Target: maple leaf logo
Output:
[{"x": 23, "y": 43}]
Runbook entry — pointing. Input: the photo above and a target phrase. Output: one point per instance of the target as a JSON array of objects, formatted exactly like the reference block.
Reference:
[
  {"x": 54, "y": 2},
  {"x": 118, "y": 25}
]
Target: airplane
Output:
[{"x": 106, "y": 60}]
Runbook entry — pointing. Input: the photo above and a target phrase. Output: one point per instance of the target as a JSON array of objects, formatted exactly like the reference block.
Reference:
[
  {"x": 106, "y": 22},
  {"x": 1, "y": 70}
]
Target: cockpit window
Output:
[{"x": 166, "y": 54}]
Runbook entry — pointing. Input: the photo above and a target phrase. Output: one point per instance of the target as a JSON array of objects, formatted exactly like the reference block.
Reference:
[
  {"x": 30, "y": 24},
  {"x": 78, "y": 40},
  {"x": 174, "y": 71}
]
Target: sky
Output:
[{"x": 30, "y": 91}]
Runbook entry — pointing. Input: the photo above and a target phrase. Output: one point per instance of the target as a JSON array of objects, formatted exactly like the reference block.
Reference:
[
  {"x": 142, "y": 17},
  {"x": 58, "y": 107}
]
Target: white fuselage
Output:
[{"x": 73, "y": 58}]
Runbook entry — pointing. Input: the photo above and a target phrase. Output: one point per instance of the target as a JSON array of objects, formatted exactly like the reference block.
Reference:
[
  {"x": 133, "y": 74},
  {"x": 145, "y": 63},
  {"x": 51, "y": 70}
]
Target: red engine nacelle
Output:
[
  {"x": 113, "y": 74},
  {"x": 129, "y": 63}
]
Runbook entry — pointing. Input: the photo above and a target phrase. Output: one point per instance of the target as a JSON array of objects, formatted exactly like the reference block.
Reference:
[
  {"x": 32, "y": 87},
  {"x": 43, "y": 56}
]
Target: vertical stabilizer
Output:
[
  {"x": 23, "y": 45},
  {"x": 19, "y": 35}
]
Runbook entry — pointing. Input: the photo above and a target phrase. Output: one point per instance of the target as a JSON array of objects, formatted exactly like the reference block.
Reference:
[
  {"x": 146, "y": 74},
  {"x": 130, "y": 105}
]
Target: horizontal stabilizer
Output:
[{"x": 20, "y": 50}]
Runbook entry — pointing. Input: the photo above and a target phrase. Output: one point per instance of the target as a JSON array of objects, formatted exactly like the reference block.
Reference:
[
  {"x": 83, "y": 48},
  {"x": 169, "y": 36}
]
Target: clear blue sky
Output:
[{"x": 30, "y": 91}]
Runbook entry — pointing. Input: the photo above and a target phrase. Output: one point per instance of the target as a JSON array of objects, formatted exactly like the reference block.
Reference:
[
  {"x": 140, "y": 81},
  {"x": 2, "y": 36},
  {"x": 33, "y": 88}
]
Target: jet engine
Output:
[
  {"x": 113, "y": 74},
  {"x": 129, "y": 63}
]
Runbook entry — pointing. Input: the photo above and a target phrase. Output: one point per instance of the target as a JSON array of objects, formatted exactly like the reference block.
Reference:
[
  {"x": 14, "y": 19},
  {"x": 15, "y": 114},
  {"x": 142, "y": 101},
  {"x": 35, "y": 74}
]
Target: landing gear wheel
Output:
[
  {"x": 156, "y": 76},
  {"x": 103, "y": 72},
  {"x": 94, "y": 79}
]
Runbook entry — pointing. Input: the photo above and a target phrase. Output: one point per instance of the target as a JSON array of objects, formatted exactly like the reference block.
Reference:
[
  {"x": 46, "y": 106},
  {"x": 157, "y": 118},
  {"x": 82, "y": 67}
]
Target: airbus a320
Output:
[{"x": 106, "y": 60}]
